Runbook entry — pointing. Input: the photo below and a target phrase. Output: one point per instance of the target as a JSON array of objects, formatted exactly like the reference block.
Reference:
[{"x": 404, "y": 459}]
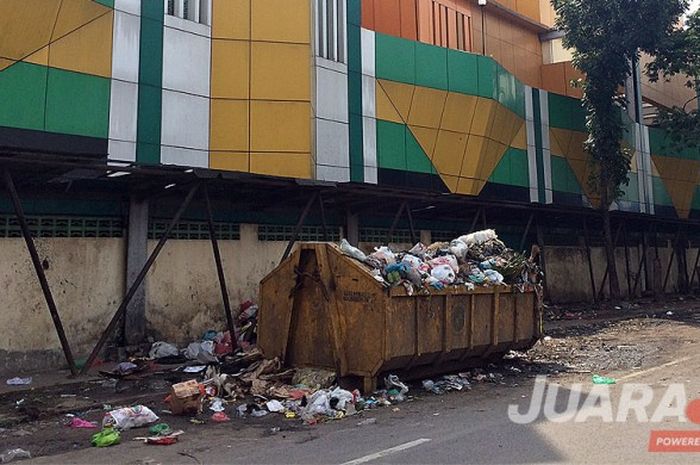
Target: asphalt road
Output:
[{"x": 457, "y": 428}]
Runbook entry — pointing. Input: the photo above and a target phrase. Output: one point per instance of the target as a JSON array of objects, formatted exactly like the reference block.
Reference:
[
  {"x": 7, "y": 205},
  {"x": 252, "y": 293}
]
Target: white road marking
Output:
[
  {"x": 385, "y": 452},
  {"x": 650, "y": 370}
]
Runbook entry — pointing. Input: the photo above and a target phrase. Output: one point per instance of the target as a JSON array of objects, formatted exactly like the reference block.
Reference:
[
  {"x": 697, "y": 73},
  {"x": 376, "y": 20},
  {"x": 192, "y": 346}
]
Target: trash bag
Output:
[
  {"x": 352, "y": 251},
  {"x": 105, "y": 438},
  {"x": 493, "y": 277},
  {"x": 478, "y": 237},
  {"x": 393, "y": 382},
  {"x": 11, "y": 454},
  {"x": 129, "y": 417},
  {"x": 444, "y": 273},
  {"x": 418, "y": 250},
  {"x": 434, "y": 283},
  {"x": 340, "y": 398},
  {"x": 162, "y": 349},
  {"x": 412, "y": 261},
  {"x": 449, "y": 260},
  {"x": 203, "y": 352},
  {"x": 318, "y": 404},
  {"x": 458, "y": 249}
]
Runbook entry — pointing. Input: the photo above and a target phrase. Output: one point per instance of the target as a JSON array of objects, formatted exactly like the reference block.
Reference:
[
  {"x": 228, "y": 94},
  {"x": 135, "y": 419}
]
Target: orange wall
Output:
[
  {"x": 556, "y": 77},
  {"x": 514, "y": 46}
]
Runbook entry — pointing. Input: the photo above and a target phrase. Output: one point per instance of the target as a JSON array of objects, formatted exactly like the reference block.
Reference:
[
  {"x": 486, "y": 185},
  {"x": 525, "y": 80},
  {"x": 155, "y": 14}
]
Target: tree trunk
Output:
[{"x": 610, "y": 255}]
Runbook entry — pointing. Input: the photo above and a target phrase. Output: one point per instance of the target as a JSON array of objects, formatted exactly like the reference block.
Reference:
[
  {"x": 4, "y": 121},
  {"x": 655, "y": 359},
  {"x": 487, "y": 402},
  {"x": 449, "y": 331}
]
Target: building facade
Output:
[{"x": 388, "y": 92}]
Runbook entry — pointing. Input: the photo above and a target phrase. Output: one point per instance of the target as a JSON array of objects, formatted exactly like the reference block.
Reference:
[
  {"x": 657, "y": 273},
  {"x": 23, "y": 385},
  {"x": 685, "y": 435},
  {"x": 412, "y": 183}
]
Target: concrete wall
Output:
[{"x": 183, "y": 297}]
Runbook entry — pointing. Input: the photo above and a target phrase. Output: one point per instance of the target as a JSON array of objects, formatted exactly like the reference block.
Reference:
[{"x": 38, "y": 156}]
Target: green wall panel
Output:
[
  {"x": 566, "y": 113},
  {"x": 396, "y": 59},
  {"x": 431, "y": 66},
  {"x": 148, "y": 132},
  {"x": 463, "y": 73},
  {"x": 488, "y": 76},
  {"x": 416, "y": 159},
  {"x": 512, "y": 169},
  {"x": 661, "y": 196},
  {"x": 356, "y": 143},
  {"x": 630, "y": 192},
  {"x": 662, "y": 144},
  {"x": 391, "y": 145},
  {"x": 107, "y": 3},
  {"x": 77, "y": 104},
  {"x": 563, "y": 177},
  {"x": 23, "y": 96},
  {"x": 696, "y": 200}
]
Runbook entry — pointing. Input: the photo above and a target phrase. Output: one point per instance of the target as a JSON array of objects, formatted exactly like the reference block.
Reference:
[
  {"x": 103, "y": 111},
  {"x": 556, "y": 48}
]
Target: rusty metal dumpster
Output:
[{"x": 321, "y": 308}]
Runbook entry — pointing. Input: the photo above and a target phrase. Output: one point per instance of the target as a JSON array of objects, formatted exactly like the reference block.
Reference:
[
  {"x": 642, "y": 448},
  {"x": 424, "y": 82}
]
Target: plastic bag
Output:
[
  {"x": 341, "y": 398},
  {"x": 458, "y": 249},
  {"x": 449, "y": 260},
  {"x": 478, "y": 237},
  {"x": 201, "y": 351},
  {"x": 493, "y": 277},
  {"x": 274, "y": 406},
  {"x": 597, "y": 379},
  {"x": 384, "y": 255},
  {"x": 412, "y": 261},
  {"x": 319, "y": 404},
  {"x": 444, "y": 273},
  {"x": 76, "y": 422},
  {"x": 105, "y": 438},
  {"x": 434, "y": 283},
  {"x": 11, "y": 454},
  {"x": 130, "y": 417},
  {"x": 353, "y": 252},
  {"x": 418, "y": 250},
  {"x": 163, "y": 349}
]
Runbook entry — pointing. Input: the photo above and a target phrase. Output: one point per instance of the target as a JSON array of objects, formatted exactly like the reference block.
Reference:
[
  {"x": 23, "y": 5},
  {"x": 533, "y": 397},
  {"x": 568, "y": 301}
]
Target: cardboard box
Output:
[{"x": 185, "y": 398}]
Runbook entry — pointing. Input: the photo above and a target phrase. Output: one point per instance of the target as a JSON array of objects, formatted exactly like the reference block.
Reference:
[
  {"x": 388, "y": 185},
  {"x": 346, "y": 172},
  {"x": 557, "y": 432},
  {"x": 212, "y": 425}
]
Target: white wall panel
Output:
[
  {"x": 332, "y": 94},
  {"x": 125, "y": 48},
  {"x": 186, "y": 61},
  {"x": 185, "y": 120},
  {"x": 184, "y": 157},
  {"x": 129, "y": 6},
  {"x": 332, "y": 143}
]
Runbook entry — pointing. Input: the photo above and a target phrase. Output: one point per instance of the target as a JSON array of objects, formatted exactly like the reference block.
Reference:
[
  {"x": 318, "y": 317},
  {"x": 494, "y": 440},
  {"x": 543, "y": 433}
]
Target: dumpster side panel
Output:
[
  {"x": 431, "y": 318},
  {"x": 506, "y": 319},
  {"x": 276, "y": 301},
  {"x": 527, "y": 317},
  {"x": 401, "y": 328},
  {"x": 483, "y": 314},
  {"x": 458, "y": 322},
  {"x": 310, "y": 343}
]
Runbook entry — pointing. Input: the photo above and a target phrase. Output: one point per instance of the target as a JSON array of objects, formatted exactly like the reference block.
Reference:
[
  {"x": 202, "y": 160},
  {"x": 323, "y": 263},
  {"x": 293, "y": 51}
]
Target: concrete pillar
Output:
[
  {"x": 352, "y": 232},
  {"x": 136, "y": 255}
]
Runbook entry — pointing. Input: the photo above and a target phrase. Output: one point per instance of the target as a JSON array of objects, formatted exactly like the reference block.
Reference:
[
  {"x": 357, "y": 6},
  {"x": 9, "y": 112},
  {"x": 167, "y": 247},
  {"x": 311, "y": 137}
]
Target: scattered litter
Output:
[
  {"x": 547, "y": 338},
  {"x": 220, "y": 417},
  {"x": 185, "y": 397},
  {"x": 217, "y": 405},
  {"x": 12, "y": 454},
  {"x": 197, "y": 421},
  {"x": 161, "y": 429},
  {"x": 669, "y": 313},
  {"x": 76, "y": 422},
  {"x": 203, "y": 352},
  {"x": 275, "y": 406},
  {"x": 194, "y": 369},
  {"x": 597, "y": 379},
  {"x": 161, "y": 440},
  {"x": 129, "y": 417},
  {"x": 162, "y": 350},
  {"x": 314, "y": 378},
  {"x": 275, "y": 430},
  {"x": 105, "y": 438},
  {"x": 17, "y": 381}
]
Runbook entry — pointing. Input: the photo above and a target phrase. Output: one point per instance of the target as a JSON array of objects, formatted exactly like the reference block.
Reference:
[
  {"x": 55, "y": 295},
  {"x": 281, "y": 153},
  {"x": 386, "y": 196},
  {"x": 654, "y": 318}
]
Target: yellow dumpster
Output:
[{"x": 321, "y": 308}]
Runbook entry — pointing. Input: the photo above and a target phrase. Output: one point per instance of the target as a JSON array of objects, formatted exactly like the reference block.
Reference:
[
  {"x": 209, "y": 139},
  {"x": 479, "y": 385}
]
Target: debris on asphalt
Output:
[
  {"x": 185, "y": 398},
  {"x": 368, "y": 421},
  {"x": 220, "y": 417},
  {"x": 109, "y": 436},
  {"x": 79, "y": 423},
  {"x": 12, "y": 454},
  {"x": 129, "y": 417},
  {"x": 17, "y": 381},
  {"x": 597, "y": 379}
]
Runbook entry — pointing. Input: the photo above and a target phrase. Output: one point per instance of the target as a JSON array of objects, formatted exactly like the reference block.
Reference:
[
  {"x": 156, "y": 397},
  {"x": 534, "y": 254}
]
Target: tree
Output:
[
  {"x": 679, "y": 54},
  {"x": 606, "y": 38}
]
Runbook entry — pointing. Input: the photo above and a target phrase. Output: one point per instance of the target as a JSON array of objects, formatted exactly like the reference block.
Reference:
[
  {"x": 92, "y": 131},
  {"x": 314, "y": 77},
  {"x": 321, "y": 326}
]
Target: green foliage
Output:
[{"x": 606, "y": 38}]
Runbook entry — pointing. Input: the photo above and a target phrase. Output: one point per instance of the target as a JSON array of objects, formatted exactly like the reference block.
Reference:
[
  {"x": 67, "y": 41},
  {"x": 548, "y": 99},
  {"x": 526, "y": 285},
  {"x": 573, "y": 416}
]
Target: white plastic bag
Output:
[
  {"x": 444, "y": 273},
  {"x": 274, "y": 406},
  {"x": 418, "y": 250},
  {"x": 478, "y": 237},
  {"x": 344, "y": 397},
  {"x": 203, "y": 352},
  {"x": 493, "y": 277},
  {"x": 449, "y": 260},
  {"x": 412, "y": 261},
  {"x": 319, "y": 404},
  {"x": 458, "y": 249},
  {"x": 162, "y": 349},
  {"x": 129, "y": 417},
  {"x": 352, "y": 251}
]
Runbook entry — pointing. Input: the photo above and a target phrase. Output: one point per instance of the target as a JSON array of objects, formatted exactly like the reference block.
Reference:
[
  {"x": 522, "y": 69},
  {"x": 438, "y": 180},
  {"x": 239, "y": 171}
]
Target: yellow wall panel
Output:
[
  {"x": 520, "y": 139},
  {"x": 474, "y": 156},
  {"x": 449, "y": 152},
  {"x": 230, "y": 19},
  {"x": 76, "y": 13},
  {"x": 4, "y": 63},
  {"x": 281, "y": 20},
  {"x": 426, "y": 107},
  {"x": 451, "y": 182},
  {"x": 483, "y": 117},
  {"x": 385, "y": 108},
  {"x": 280, "y": 71},
  {"x": 229, "y": 161},
  {"x": 295, "y": 165},
  {"x": 493, "y": 156},
  {"x": 280, "y": 126},
  {"x": 576, "y": 149},
  {"x": 426, "y": 138},
  {"x": 459, "y": 112},
  {"x": 558, "y": 141},
  {"x": 40, "y": 57},
  {"x": 26, "y": 26},
  {"x": 230, "y": 62},
  {"x": 400, "y": 95},
  {"x": 229, "y": 125},
  {"x": 86, "y": 50}
]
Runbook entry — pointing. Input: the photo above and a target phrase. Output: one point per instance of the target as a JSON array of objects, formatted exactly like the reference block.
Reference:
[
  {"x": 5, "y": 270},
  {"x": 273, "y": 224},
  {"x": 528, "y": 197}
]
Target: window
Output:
[
  {"x": 191, "y": 10},
  {"x": 450, "y": 28},
  {"x": 330, "y": 29}
]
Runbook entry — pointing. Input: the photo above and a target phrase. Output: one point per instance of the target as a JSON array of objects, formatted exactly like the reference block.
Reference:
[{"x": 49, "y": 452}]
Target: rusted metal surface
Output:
[{"x": 322, "y": 308}]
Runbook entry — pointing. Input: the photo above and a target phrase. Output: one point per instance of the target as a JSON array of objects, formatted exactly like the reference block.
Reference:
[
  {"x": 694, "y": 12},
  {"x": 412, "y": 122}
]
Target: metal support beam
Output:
[
  {"x": 139, "y": 279},
  {"x": 627, "y": 263},
  {"x": 607, "y": 266},
  {"x": 39, "y": 269},
  {"x": 220, "y": 272},
  {"x": 411, "y": 227},
  {"x": 526, "y": 232},
  {"x": 695, "y": 269},
  {"x": 324, "y": 223},
  {"x": 543, "y": 264},
  {"x": 642, "y": 262},
  {"x": 299, "y": 225},
  {"x": 394, "y": 223},
  {"x": 670, "y": 261}
]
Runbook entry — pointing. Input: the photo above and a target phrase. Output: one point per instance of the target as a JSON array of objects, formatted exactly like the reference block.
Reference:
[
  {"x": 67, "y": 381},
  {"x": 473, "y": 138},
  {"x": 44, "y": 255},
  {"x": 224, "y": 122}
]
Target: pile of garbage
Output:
[{"x": 477, "y": 259}]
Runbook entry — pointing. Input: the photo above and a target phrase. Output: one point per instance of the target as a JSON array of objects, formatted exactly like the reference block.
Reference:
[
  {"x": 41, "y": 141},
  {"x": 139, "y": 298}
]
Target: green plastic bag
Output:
[
  {"x": 161, "y": 429},
  {"x": 105, "y": 438},
  {"x": 597, "y": 379}
]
